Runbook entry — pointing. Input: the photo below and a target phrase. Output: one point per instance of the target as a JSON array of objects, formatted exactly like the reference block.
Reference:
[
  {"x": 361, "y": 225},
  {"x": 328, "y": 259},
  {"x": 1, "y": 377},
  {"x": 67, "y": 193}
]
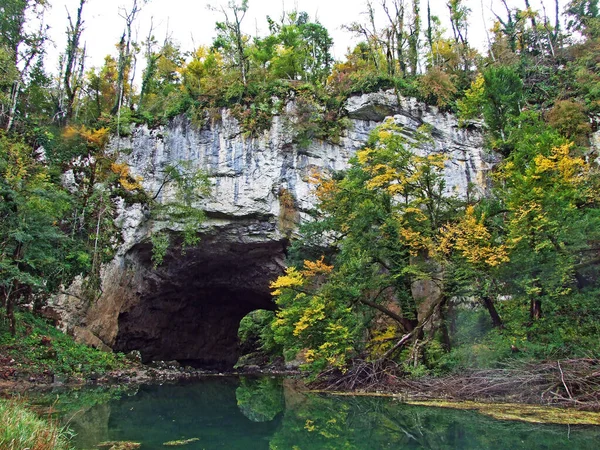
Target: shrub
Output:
[
  {"x": 569, "y": 118},
  {"x": 437, "y": 87},
  {"x": 42, "y": 347}
]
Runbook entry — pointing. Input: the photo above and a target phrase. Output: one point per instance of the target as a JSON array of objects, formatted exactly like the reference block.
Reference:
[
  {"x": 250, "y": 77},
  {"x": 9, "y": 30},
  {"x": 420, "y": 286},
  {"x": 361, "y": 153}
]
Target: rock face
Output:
[{"x": 190, "y": 307}]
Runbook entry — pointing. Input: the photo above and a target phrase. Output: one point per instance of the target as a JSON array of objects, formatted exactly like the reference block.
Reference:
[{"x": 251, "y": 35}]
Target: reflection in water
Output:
[
  {"x": 267, "y": 413},
  {"x": 260, "y": 399}
]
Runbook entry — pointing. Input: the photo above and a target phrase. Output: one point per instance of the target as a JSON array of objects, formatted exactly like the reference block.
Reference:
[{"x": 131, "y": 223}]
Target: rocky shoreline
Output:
[{"x": 13, "y": 381}]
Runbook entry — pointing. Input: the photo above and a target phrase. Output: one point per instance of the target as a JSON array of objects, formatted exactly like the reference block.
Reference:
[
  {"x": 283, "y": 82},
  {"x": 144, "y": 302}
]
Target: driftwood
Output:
[{"x": 571, "y": 382}]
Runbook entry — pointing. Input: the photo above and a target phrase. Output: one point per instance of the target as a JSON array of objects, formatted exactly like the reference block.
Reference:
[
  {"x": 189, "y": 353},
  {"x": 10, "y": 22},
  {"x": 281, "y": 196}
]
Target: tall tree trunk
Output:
[
  {"x": 429, "y": 32},
  {"x": 14, "y": 97}
]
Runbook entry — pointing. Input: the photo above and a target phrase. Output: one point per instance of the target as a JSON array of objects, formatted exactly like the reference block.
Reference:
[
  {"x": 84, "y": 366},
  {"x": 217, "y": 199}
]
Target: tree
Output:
[
  {"x": 230, "y": 38},
  {"x": 9, "y": 78},
  {"x": 36, "y": 254},
  {"x": 382, "y": 221},
  {"x": 550, "y": 196},
  {"x": 102, "y": 90},
  {"x": 126, "y": 47},
  {"x": 72, "y": 66},
  {"x": 413, "y": 38},
  {"x": 95, "y": 179},
  {"x": 502, "y": 99},
  {"x": 161, "y": 79},
  {"x": 301, "y": 50},
  {"x": 584, "y": 17},
  {"x": 21, "y": 47},
  {"x": 175, "y": 205}
]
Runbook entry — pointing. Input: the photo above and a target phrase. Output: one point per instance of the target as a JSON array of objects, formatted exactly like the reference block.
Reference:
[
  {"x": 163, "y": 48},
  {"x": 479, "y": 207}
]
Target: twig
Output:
[{"x": 562, "y": 378}]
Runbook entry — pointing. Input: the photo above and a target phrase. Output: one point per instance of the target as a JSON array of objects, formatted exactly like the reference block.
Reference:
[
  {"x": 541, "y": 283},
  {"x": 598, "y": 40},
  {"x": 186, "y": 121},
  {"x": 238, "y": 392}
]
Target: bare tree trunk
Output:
[
  {"x": 489, "y": 304},
  {"x": 535, "y": 309},
  {"x": 14, "y": 96},
  {"x": 124, "y": 56}
]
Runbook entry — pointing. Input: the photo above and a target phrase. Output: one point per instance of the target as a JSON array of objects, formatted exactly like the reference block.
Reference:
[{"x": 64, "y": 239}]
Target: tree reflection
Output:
[{"x": 260, "y": 399}]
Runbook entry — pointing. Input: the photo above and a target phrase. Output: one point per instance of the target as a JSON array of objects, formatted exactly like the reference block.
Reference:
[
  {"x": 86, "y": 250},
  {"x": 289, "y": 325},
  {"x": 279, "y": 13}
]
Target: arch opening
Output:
[{"x": 189, "y": 309}]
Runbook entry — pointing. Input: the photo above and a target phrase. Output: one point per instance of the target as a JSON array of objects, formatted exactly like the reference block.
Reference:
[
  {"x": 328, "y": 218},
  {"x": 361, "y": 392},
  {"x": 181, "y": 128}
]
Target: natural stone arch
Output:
[{"x": 189, "y": 309}]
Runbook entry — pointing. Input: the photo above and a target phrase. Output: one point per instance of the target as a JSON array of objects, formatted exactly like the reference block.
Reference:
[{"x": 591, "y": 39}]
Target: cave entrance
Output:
[{"x": 189, "y": 309}]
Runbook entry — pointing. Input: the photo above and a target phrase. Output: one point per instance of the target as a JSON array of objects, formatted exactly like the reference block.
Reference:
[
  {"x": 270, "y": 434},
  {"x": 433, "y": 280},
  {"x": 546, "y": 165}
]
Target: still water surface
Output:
[{"x": 267, "y": 413}]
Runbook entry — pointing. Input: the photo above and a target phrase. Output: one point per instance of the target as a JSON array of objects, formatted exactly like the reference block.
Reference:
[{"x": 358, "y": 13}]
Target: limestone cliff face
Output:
[
  {"x": 190, "y": 307},
  {"x": 250, "y": 173}
]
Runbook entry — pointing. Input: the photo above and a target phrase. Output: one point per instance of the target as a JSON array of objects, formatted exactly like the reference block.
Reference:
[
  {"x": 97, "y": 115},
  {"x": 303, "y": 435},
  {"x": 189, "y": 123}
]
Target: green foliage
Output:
[
  {"x": 22, "y": 428},
  {"x": 175, "y": 206},
  {"x": 299, "y": 49},
  {"x": 255, "y": 332},
  {"x": 36, "y": 253},
  {"x": 584, "y": 17},
  {"x": 160, "y": 244},
  {"x": 260, "y": 399},
  {"x": 502, "y": 99},
  {"x": 40, "y": 347},
  {"x": 315, "y": 117},
  {"x": 470, "y": 107}
]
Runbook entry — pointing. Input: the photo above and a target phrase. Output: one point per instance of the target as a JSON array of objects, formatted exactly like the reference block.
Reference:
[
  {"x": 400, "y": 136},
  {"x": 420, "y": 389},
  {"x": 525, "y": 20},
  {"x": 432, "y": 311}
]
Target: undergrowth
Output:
[
  {"x": 22, "y": 429},
  {"x": 38, "y": 347}
]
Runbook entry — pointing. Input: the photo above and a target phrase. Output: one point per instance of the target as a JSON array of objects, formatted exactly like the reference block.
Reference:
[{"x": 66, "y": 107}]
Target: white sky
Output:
[{"x": 190, "y": 22}]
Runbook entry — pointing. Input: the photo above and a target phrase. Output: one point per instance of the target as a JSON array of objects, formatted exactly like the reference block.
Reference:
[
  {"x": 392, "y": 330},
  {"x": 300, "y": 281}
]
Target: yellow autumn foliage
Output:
[
  {"x": 471, "y": 237},
  {"x": 126, "y": 179},
  {"x": 325, "y": 188},
  {"x": 97, "y": 138},
  {"x": 562, "y": 163},
  {"x": 416, "y": 241},
  {"x": 313, "y": 313},
  {"x": 382, "y": 341},
  {"x": 313, "y": 269},
  {"x": 292, "y": 279}
]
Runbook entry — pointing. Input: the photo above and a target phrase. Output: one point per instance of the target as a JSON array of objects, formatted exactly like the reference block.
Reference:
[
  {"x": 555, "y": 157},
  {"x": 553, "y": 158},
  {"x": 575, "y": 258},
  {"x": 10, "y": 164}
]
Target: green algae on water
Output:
[
  {"x": 521, "y": 412},
  {"x": 180, "y": 442}
]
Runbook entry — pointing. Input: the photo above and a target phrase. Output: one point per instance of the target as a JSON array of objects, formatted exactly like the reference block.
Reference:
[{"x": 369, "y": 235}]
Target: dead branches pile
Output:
[
  {"x": 573, "y": 382},
  {"x": 368, "y": 376}
]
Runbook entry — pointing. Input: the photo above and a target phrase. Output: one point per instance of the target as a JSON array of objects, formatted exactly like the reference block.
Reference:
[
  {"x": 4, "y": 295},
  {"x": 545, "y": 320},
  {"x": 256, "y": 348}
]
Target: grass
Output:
[
  {"x": 22, "y": 429},
  {"x": 40, "y": 348}
]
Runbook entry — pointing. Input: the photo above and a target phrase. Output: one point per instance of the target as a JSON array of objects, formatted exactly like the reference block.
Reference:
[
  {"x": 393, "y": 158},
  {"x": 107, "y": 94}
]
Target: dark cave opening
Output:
[{"x": 189, "y": 309}]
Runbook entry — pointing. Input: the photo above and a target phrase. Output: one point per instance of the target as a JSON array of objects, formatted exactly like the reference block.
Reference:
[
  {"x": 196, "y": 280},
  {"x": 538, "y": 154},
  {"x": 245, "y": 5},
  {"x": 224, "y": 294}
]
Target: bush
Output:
[
  {"x": 569, "y": 118},
  {"x": 42, "y": 347},
  {"x": 437, "y": 88}
]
